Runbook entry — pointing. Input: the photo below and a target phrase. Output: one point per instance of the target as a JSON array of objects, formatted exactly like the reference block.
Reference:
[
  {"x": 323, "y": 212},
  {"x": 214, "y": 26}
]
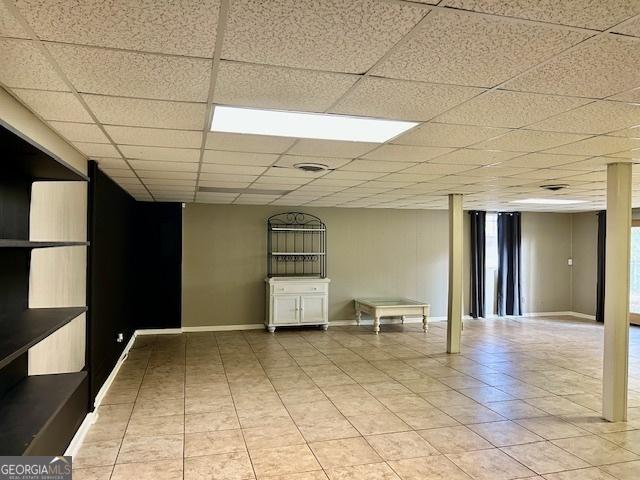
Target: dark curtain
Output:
[
  {"x": 509, "y": 264},
  {"x": 477, "y": 262},
  {"x": 602, "y": 243}
]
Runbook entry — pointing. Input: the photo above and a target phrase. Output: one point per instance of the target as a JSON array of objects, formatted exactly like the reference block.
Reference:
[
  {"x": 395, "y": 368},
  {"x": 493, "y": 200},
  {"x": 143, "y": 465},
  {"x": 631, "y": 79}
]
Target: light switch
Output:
[{"x": 570, "y": 262}]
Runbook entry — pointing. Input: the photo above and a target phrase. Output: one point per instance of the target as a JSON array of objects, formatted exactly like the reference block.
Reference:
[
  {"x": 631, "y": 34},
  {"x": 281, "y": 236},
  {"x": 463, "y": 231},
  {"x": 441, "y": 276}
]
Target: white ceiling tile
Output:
[
  {"x": 262, "y": 180},
  {"x": 631, "y": 96},
  {"x": 147, "y": 113},
  {"x": 327, "y": 35},
  {"x": 600, "y": 145},
  {"x": 132, "y": 74},
  {"x": 545, "y": 174},
  {"x": 205, "y": 178},
  {"x": 597, "y": 68},
  {"x": 457, "y": 48},
  {"x": 475, "y": 157},
  {"x": 167, "y": 181},
  {"x": 438, "y": 169},
  {"x": 509, "y": 109},
  {"x": 499, "y": 171},
  {"x": 164, "y": 166},
  {"x": 345, "y": 175},
  {"x": 247, "y": 143},
  {"x": 80, "y": 132},
  {"x": 118, "y": 172},
  {"x": 336, "y": 182},
  {"x": 250, "y": 198},
  {"x": 160, "y": 153},
  {"x": 205, "y": 197},
  {"x": 401, "y": 99},
  {"x": 61, "y": 106},
  {"x": 264, "y": 86},
  {"x": 292, "y": 160},
  {"x": 376, "y": 166},
  {"x": 97, "y": 149},
  {"x": 185, "y": 27},
  {"x": 446, "y": 135},
  {"x": 292, "y": 172},
  {"x": 391, "y": 185},
  {"x": 172, "y": 191},
  {"x": 156, "y": 137},
  {"x": 594, "y": 118},
  {"x": 578, "y": 13},
  {"x": 275, "y": 188},
  {"x": 331, "y": 148},
  {"x": 108, "y": 162},
  {"x": 543, "y": 160},
  {"x": 406, "y": 153},
  {"x": 528, "y": 141},
  {"x": 23, "y": 66},
  {"x": 232, "y": 169},
  {"x": 225, "y": 184},
  {"x": 164, "y": 175},
  {"x": 239, "y": 158},
  {"x": 600, "y": 176}
]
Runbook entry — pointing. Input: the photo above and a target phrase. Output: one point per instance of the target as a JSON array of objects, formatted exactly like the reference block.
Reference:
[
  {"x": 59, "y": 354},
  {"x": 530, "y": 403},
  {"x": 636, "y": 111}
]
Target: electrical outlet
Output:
[
  {"x": 120, "y": 338},
  {"x": 570, "y": 262}
]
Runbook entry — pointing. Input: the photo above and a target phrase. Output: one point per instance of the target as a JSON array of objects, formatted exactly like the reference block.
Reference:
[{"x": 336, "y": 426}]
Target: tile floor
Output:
[{"x": 521, "y": 401}]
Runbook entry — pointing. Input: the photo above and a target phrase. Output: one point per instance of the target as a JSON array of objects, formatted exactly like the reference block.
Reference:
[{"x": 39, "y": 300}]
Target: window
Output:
[{"x": 491, "y": 263}]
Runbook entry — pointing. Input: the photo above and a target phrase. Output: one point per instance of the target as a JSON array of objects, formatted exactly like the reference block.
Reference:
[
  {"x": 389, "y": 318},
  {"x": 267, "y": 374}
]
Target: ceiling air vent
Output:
[
  {"x": 555, "y": 187},
  {"x": 311, "y": 167}
]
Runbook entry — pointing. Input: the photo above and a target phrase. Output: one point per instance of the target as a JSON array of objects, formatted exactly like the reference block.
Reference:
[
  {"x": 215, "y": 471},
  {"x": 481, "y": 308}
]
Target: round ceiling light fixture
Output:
[
  {"x": 555, "y": 186},
  {"x": 311, "y": 167}
]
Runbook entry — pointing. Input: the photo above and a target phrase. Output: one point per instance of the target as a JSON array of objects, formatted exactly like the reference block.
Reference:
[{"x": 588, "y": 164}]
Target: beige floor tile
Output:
[
  {"x": 283, "y": 460},
  {"x": 97, "y": 454},
  {"x": 551, "y": 428},
  {"x": 591, "y": 473},
  {"x": 236, "y": 466},
  {"x": 209, "y": 422},
  {"x": 544, "y": 457},
  {"x": 92, "y": 473},
  {"x": 502, "y": 434},
  {"x": 372, "y": 471},
  {"x": 150, "y": 426},
  {"x": 629, "y": 440},
  {"x": 344, "y": 452},
  {"x": 398, "y": 446},
  {"x": 315, "y": 475},
  {"x": 331, "y": 429},
  {"x": 161, "y": 470},
  {"x": 434, "y": 467},
  {"x": 386, "y": 388},
  {"x": 455, "y": 439},
  {"x": 378, "y": 423},
  {"x": 515, "y": 409},
  {"x": 490, "y": 465},
  {"x": 212, "y": 443},
  {"x": 623, "y": 471},
  {"x": 426, "y": 418},
  {"x": 595, "y": 450},
  {"x": 447, "y": 398},
  {"x": 278, "y": 435},
  {"x": 557, "y": 406},
  {"x": 467, "y": 414},
  {"x": 398, "y": 403},
  {"x": 486, "y": 394},
  {"x": 206, "y": 403},
  {"x": 158, "y": 408},
  {"x": 148, "y": 449},
  {"x": 106, "y": 429}
]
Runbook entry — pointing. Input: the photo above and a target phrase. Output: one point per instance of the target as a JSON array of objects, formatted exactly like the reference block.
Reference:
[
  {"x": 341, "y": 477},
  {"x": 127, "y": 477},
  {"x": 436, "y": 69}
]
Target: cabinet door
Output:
[
  {"x": 313, "y": 308},
  {"x": 286, "y": 309}
]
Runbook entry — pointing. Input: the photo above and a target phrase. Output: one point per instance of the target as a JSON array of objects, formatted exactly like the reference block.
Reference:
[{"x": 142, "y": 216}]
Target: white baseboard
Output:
[
  {"x": 223, "y": 328},
  {"x": 158, "y": 331},
  {"x": 78, "y": 438}
]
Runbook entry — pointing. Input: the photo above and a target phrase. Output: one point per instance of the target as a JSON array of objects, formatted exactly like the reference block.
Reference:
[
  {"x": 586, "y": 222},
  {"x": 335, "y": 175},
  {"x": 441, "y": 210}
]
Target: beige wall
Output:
[
  {"x": 371, "y": 252},
  {"x": 546, "y": 248},
  {"x": 585, "y": 254}
]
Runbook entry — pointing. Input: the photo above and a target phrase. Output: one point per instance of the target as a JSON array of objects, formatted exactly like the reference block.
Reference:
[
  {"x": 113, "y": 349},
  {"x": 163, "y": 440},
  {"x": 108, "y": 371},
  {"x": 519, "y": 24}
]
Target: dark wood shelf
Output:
[
  {"x": 13, "y": 243},
  {"x": 20, "y": 157},
  {"x": 22, "y": 330},
  {"x": 37, "y": 409}
]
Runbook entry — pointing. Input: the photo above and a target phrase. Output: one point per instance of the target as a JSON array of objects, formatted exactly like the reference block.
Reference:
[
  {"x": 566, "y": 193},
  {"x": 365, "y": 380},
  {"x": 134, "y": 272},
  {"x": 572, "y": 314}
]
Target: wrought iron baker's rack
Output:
[{"x": 296, "y": 245}]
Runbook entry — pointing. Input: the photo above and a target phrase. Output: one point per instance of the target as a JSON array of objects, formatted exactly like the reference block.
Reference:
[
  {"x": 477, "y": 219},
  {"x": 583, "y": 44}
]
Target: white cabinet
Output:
[{"x": 297, "y": 301}]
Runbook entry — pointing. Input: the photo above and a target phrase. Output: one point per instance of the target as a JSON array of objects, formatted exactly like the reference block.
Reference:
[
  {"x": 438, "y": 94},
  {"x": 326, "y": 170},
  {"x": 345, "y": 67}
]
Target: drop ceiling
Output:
[{"x": 510, "y": 95}]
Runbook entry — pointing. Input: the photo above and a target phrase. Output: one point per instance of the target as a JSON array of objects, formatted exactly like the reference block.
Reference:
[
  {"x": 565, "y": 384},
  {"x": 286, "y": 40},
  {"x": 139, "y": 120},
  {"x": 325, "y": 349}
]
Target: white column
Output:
[
  {"x": 616, "y": 303},
  {"x": 454, "y": 311}
]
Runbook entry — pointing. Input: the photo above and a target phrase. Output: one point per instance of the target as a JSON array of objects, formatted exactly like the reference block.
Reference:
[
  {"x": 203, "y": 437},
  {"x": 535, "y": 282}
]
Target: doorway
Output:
[{"x": 634, "y": 280}]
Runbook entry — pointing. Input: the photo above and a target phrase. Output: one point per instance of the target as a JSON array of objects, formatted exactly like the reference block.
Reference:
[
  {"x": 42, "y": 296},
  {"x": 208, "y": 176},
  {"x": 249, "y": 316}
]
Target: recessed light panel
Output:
[
  {"x": 548, "y": 201},
  {"x": 306, "y": 125}
]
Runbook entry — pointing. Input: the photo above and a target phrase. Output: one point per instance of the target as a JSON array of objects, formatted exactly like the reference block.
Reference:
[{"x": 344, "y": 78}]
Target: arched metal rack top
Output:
[{"x": 296, "y": 245}]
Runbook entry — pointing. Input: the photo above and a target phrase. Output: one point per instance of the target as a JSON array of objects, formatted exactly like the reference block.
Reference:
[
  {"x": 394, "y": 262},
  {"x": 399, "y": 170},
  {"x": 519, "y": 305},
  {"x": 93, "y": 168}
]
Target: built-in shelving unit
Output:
[
  {"x": 39, "y": 414},
  {"x": 296, "y": 246}
]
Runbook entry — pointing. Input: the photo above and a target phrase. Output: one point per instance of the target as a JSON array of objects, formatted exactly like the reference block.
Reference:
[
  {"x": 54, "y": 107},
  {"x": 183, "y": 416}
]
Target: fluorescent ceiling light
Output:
[
  {"x": 306, "y": 125},
  {"x": 548, "y": 201}
]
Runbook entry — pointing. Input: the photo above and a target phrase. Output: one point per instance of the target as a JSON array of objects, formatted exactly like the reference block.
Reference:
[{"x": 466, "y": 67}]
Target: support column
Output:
[
  {"x": 616, "y": 303},
  {"x": 454, "y": 311}
]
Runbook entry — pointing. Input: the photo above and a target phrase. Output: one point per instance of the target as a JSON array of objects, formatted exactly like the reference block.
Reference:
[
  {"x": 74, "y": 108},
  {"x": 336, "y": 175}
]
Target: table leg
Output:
[
  {"x": 376, "y": 324},
  {"x": 425, "y": 323}
]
